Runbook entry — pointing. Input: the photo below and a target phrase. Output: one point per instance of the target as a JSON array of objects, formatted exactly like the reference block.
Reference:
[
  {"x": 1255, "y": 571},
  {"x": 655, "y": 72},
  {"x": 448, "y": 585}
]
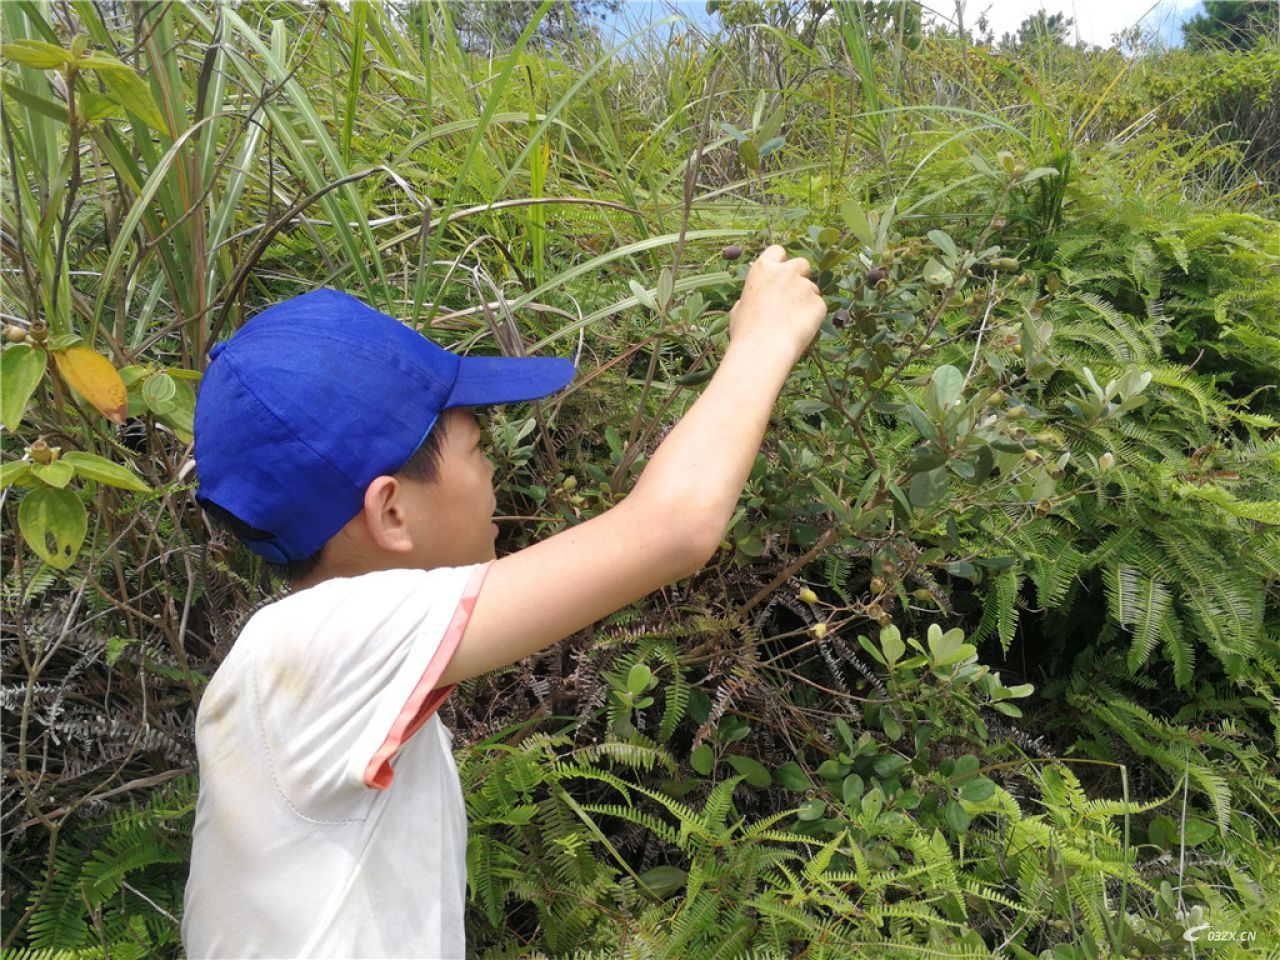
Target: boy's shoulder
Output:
[
  {"x": 287, "y": 604},
  {"x": 314, "y": 659},
  {"x": 288, "y": 622}
]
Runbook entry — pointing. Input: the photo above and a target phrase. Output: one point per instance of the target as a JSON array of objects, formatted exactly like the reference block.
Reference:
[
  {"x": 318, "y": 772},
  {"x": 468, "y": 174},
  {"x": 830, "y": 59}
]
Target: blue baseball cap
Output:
[{"x": 316, "y": 396}]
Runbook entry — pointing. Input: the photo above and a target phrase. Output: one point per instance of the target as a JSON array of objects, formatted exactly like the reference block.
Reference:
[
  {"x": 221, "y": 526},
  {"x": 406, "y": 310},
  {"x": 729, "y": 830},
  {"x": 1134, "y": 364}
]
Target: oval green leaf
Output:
[
  {"x": 702, "y": 760},
  {"x": 21, "y": 368},
  {"x": 642, "y": 295},
  {"x": 756, "y": 773},
  {"x": 57, "y": 474},
  {"x": 663, "y": 881},
  {"x": 851, "y": 789},
  {"x": 812, "y": 809},
  {"x": 48, "y": 512},
  {"x": 638, "y": 679},
  {"x": 977, "y": 789},
  {"x": 961, "y": 766},
  {"x": 792, "y": 776},
  {"x": 946, "y": 386},
  {"x": 889, "y": 765},
  {"x": 1197, "y": 831},
  {"x": 956, "y": 816},
  {"x": 92, "y": 467},
  {"x": 929, "y": 487},
  {"x": 15, "y": 471},
  {"x": 832, "y": 769},
  {"x": 943, "y": 242},
  {"x": 891, "y": 643},
  {"x": 182, "y": 416},
  {"x": 872, "y": 803},
  {"x": 944, "y": 647},
  {"x": 770, "y": 145},
  {"x": 158, "y": 391}
]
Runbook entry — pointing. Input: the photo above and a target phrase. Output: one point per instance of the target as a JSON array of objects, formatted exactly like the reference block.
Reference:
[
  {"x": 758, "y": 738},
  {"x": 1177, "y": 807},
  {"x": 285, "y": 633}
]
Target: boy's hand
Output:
[{"x": 780, "y": 307}]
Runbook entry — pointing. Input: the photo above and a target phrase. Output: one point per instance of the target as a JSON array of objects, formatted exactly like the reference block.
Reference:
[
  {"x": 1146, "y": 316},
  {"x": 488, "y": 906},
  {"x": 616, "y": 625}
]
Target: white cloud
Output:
[{"x": 1096, "y": 21}]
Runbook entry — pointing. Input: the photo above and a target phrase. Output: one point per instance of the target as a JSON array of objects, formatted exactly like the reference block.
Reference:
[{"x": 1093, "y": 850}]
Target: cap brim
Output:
[{"x": 484, "y": 380}]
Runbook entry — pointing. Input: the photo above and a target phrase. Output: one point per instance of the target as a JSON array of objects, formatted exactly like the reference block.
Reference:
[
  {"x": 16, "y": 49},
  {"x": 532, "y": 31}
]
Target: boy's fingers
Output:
[{"x": 778, "y": 253}]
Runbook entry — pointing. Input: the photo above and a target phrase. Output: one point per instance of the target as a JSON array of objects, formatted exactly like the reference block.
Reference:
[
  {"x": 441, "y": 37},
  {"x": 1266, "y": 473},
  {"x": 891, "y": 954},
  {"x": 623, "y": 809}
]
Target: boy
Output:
[{"x": 310, "y": 427}]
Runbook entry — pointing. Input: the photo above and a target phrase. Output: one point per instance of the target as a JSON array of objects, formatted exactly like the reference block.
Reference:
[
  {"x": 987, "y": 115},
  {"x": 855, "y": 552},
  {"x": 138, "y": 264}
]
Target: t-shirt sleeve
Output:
[{"x": 346, "y": 673}]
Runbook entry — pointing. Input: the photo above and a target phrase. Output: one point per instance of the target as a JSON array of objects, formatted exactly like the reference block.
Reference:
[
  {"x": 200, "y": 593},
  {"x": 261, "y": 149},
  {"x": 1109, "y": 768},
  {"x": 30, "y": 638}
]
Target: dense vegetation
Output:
[{"x": 989, "y": 661}]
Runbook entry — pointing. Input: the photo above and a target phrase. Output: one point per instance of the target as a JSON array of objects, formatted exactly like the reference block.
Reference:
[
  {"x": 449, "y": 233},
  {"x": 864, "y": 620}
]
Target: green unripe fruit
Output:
[
  {"x": 807, "y": 596},
  {"x": 1016, "y": 412},
  {"x": 819, "y": 630},
  {"x": 996, "y": 398},
  {"x": 877, "y": 584},
  {"x": 570, "y": 483},
  {"x": 1005, "y": 264},
  {"x": 1044, "y": 506},
  {"x": 14, "y": 333},
  {"x": 1032, "y": 455}
]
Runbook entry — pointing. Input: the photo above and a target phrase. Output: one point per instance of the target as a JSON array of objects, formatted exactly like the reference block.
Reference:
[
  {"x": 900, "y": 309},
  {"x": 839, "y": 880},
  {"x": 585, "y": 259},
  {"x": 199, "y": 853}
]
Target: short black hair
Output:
[{"x": 422, "y": 466}]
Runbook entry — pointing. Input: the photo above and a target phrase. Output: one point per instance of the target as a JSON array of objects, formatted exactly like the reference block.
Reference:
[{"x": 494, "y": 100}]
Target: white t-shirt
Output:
[{"x": 330, "y": 820}]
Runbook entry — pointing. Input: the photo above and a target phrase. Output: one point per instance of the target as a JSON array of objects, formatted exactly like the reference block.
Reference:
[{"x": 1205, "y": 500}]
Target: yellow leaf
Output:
[{"x": 95, "y": 379}]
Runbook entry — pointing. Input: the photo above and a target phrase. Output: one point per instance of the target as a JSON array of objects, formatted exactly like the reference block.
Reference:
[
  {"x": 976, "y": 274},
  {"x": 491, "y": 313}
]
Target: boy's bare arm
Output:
[{"x": 672, "y": 522}]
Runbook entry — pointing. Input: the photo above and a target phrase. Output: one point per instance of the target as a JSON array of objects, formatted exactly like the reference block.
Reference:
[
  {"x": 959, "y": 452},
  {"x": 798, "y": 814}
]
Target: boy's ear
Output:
[{"x": 384, "y": 514}]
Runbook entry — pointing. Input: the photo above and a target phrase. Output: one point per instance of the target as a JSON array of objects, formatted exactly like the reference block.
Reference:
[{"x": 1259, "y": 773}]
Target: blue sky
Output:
[{"x": 1096, "y": 21}]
